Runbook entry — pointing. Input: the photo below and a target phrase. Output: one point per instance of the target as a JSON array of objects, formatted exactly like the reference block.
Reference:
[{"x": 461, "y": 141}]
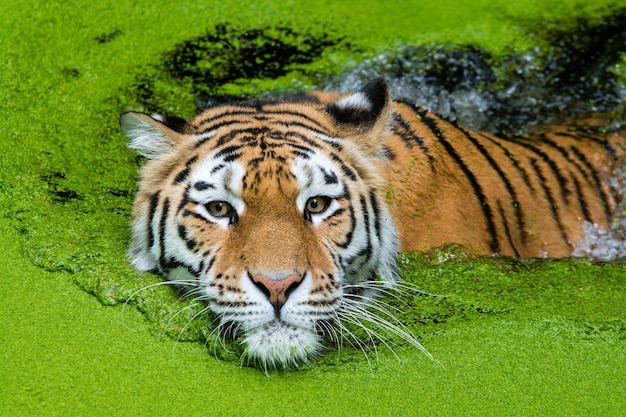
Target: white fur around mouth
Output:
[{"x": 279, "y": 345}]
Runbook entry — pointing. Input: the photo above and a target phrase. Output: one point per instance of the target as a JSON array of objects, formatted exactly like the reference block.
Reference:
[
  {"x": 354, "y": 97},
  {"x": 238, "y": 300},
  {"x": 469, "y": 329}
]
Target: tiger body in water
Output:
[{"x": 286, "y": 215}]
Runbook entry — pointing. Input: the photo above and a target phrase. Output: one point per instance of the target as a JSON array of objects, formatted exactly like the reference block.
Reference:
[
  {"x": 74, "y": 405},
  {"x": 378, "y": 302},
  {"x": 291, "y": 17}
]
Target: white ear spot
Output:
[
  {"x": 357, "y": 101},
  {"x": 147, "y": 135}
]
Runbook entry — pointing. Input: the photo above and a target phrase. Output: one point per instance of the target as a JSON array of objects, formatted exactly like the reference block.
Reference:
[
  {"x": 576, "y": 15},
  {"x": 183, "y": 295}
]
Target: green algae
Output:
[{"x": 514, "y": 337}]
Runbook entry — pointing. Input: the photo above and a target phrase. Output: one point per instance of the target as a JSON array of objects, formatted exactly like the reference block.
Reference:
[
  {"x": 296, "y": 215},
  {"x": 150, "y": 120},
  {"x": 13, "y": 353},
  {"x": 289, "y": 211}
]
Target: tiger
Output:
[{"x": 286, "y": 215}]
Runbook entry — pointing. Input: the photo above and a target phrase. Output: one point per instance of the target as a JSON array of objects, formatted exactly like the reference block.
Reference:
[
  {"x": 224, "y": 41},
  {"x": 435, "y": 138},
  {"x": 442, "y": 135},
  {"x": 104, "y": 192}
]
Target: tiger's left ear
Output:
[{"x": 364, "y": 114}]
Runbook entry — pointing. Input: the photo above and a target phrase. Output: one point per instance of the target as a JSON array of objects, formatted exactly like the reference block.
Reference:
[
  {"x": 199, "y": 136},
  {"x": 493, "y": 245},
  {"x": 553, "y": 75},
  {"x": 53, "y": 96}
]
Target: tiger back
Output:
[{"x": 525, "y": 196}]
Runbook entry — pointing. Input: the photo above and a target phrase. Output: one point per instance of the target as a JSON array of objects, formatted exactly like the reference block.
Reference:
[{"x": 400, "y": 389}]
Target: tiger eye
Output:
[
  {"x": 318, "y": 204},
  {"x": 219, "y": 208}
]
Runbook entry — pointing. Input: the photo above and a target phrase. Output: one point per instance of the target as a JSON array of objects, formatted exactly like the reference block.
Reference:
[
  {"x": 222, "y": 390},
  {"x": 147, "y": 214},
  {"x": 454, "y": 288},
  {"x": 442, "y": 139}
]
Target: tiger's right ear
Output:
[
  {"x": 365, "y": 112},
  {"x": 152, "y": 136}
]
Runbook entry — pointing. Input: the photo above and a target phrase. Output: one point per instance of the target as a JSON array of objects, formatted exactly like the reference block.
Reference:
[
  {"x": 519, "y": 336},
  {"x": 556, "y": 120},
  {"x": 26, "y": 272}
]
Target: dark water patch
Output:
[
  {"x": 59, "y": 192},
  {"x": 118, "y": 192},
  {"x": 226, "y": 55},
  {"x": 218, "y": 66},
  {"x": 69, "y": 73},
  {"x": 108, "y": 36}
]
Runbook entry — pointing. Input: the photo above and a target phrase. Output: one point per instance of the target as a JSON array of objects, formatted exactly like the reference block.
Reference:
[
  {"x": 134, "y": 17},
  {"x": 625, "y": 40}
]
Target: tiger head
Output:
[{"x": 272, "y": 210}]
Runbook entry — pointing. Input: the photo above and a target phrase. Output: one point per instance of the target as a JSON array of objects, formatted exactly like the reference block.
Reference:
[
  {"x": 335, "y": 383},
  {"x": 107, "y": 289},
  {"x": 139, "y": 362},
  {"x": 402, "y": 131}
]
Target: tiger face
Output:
[{"x": 272, "y": 210}]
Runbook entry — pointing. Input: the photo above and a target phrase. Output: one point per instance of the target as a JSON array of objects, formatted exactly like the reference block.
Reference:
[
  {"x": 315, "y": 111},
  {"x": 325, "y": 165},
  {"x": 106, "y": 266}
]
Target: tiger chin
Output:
[{"x": 285, "y": 215}]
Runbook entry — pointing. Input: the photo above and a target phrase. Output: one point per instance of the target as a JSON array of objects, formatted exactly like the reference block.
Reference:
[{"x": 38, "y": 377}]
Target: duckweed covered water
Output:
[{"x": 532, "y": 337}]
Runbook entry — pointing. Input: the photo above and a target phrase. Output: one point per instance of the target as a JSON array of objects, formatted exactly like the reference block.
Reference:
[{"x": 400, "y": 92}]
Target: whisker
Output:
[
  {"x": 202, "y": 311},
  {"x": 189, "y": 307},
  {"x": 371, "y": 334},
  {"x": 397, "y": 328},
  {"x": 134, "y": 294},
  {"x": 371, "y": 302},
  {"x": 359, "y": 343}
]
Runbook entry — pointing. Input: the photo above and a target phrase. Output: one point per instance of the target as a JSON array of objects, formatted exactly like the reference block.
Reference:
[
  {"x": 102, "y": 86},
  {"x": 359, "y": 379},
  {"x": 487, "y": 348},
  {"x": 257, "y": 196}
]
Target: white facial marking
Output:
[
  {"x": 310, "y": 173},
  {"x": 215, "y": 180}
]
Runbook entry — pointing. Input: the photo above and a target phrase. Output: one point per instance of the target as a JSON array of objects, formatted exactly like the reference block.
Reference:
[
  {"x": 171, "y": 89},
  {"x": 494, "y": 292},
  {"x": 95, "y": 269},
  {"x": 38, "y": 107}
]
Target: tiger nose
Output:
[{"x": 277, "y": 289}]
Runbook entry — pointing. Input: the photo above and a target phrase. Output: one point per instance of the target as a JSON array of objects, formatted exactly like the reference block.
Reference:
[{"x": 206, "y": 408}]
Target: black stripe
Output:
[
  {"x": 335, "y": 213},
  {"x": 581, "y": 135},
  {"x": 182, "y": 175},
  {"x": 507, "y": 231},
  {"x": 299, "y": 149},
  {"x": 162, "y": 226},
  {"x": 189, "y": 213},
  {"x": 229, "y": 153},
  {"x": 352, "y": 225},
  {"x": 224, "y": 139},
  {"x": 552, "y": 203},
  {"x": 511, "y": 158},
  {"x": 183, "y": 202},
  {"x": 608, "y": 148},
  {"x": 364, "y": 255},
  {"x": 367, "y": 251},
  {"x": 218, "y": 121},
  {"x": 344, "y": 168},
  {"x": 154, "y": 203},
  {"x": 503, "y": 177},
  {"x": 561, "y": 180},
  {"x": 566, "y": 155},
  {"x": 245, "y": 135},
  {"x": 210, "y": 264},
  {"x": 376, "y": 210},
  {"x": 234, "y": 112},
  {"x": 584, "y": 207},
  {"x": 596, "y": 178},
  {"x": 290, "y": 124},
  {"x": 329, "y": 178},
  {"x": 589, "y": 174},
  {"x": 182, "y": 233},
  {"x": 217, "y": 168},
  {"x": 408, "y": 136},
  {"x": 319, "y": 127},
  {"x": 203, "y": 185},
  {"x": 297, "y": 137},
  {"x": 494, "y": 245}
]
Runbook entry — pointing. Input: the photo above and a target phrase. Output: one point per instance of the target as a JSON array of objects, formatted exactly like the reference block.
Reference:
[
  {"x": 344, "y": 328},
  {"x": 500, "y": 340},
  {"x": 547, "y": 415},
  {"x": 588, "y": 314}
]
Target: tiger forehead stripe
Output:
[
  {"x": 201, "y": 123},
  {"x": 280, "y": 116},
  {"x": 250, "y": 134}
]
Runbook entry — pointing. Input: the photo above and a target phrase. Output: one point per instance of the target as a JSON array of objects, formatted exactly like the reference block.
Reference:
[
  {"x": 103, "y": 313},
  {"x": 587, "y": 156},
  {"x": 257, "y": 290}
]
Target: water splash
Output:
[
  {"x": 599, "y": 244},
  {"x": 503, "y": 95}
]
